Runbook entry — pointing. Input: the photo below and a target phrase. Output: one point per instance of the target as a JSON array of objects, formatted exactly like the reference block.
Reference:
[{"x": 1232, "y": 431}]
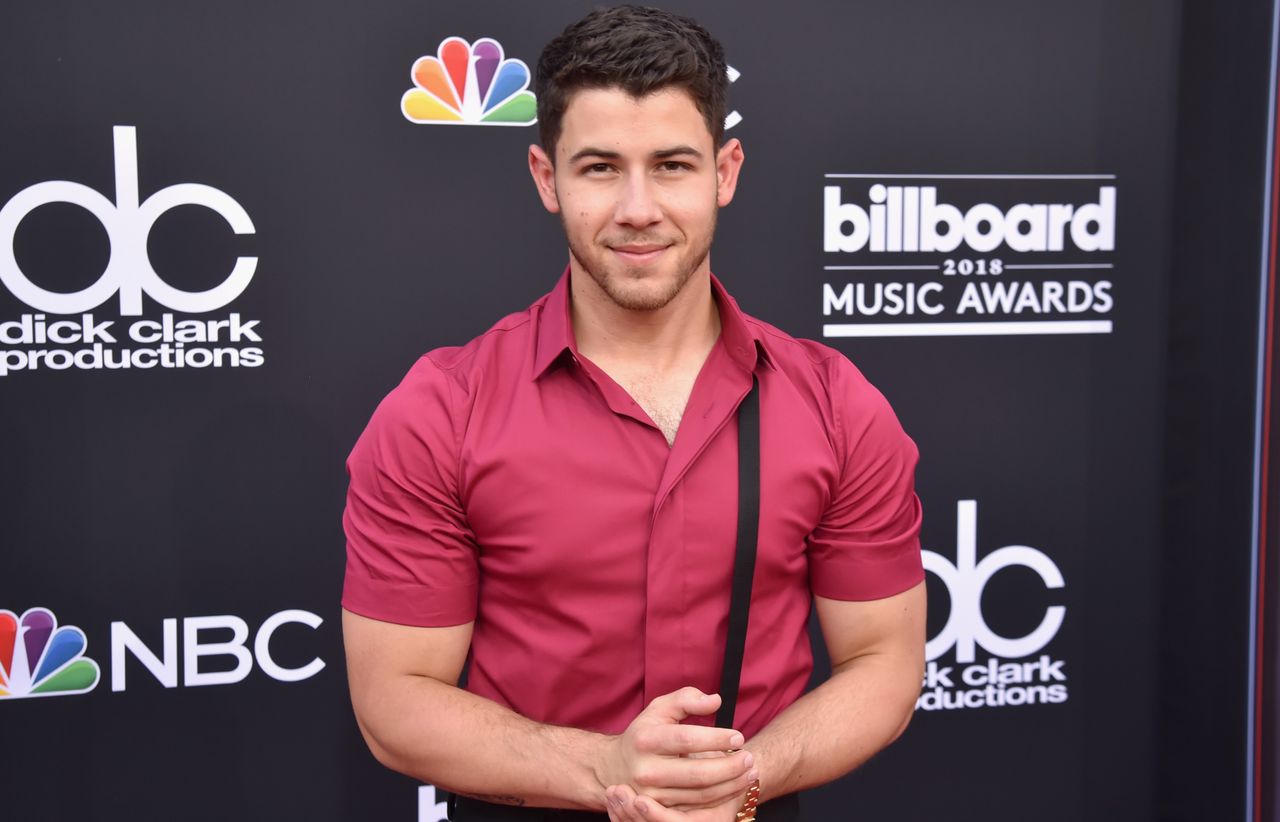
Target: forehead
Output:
[{"x": 611, "y": 118}]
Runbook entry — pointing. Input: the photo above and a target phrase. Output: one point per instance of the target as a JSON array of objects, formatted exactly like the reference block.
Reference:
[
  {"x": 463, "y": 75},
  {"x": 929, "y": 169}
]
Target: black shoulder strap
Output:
[{"x": 744, "y": 562}]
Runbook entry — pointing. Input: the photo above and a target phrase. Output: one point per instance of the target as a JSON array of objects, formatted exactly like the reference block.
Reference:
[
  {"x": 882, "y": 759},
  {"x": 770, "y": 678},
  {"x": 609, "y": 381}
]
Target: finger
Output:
[
  {"x": 693, "y": 798},
  {"x": 691, "y": 772},
  {"x": 687, "y": 701},
  {"x": 651, "y": 811},
  {"x": 613, "y": 804},
  {"x": 682, "y": 740},
  {"x": 623, "y": 807}
]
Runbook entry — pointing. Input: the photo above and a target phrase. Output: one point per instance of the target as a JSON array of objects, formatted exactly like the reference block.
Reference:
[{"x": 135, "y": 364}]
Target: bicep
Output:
[
  {"x": 399, "y": 676},
  {"x": 379, "y": 654},
  {"x": 892, "y": 627}
]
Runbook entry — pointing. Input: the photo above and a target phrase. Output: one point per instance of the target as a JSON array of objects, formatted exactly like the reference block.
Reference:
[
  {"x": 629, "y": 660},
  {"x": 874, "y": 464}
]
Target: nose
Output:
[{"x": 637, "y": 205}]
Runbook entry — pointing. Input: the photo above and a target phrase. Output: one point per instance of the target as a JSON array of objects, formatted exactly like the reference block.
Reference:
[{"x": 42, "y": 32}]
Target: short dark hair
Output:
[{"x": 638, "y": 49}]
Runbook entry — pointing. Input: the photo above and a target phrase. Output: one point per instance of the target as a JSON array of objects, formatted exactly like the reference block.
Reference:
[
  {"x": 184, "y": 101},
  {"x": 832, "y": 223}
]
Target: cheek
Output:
[
  {"x": 583, "y": 209},
  {"x": 690, "y": 203},
  {"x": 692, "y": 217}
]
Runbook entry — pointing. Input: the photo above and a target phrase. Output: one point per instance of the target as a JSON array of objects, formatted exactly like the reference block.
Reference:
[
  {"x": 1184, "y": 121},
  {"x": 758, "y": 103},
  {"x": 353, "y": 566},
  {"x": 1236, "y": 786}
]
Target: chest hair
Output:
[{"x": 663, "y": 398}]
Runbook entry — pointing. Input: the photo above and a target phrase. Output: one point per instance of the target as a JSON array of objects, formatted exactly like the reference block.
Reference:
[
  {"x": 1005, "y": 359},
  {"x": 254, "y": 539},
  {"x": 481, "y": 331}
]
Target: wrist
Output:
[
  {"x": 600, "y": 754},
  {"x": 764, "y": 766}
]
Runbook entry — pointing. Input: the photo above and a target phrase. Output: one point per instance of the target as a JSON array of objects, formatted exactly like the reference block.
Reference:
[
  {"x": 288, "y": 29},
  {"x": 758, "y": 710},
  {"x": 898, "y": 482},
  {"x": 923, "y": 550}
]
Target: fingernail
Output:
[
  {"x": 748, "y": 760},
  {"x": 753, "y": 776},
  {"x": 644, "y": 809},
  {"x": 736, "y": 740}
]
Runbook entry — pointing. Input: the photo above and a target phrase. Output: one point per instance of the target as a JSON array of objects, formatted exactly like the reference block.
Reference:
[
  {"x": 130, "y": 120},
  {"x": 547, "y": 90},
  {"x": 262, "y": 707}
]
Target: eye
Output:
[
  {"x": 673, "y": 166},
  {"x": 597, "y": 168}
]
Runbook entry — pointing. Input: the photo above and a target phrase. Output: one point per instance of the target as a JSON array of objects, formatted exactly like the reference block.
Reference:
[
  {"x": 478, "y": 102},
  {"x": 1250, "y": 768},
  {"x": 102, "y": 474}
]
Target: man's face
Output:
[{"x": 637, "y": 184}]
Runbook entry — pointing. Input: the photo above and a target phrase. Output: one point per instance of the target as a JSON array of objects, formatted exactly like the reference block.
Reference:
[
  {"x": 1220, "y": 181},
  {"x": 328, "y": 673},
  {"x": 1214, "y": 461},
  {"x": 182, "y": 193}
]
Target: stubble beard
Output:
[{"x": 614, "y": 282}]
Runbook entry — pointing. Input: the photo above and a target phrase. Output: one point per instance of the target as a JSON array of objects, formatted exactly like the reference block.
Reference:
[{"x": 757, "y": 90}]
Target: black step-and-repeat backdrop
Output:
[{"x": 227, "y": 230}]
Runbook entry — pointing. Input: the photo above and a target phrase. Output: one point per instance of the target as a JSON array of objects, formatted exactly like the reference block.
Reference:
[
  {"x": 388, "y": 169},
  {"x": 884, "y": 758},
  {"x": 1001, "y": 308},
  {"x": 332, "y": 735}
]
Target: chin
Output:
[{"x": 641, "y": 296}]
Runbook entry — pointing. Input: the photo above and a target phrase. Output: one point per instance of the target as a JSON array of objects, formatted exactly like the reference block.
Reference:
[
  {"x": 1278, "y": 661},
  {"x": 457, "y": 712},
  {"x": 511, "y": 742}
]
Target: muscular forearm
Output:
[
  {"x": 861, "y": 708},
  {"x": 468, "y": 744},
  {"x": 418, "y": 722}
]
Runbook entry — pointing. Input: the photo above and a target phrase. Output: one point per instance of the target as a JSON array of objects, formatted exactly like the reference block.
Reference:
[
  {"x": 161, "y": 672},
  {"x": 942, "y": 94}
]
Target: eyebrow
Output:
[
  {"x": 662, "y": 154},
  {"x": 678, "y": 151}
]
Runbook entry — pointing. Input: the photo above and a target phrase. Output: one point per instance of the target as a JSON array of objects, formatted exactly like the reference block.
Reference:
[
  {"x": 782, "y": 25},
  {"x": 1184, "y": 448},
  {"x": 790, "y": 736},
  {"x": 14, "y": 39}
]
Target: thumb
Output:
[{"x": 687, "y": 701}]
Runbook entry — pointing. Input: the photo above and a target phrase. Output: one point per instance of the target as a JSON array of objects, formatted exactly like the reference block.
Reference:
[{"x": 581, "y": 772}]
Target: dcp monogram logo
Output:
[
  {"x": 128, "y": 224},
  {"x": 965, "y": 580}
]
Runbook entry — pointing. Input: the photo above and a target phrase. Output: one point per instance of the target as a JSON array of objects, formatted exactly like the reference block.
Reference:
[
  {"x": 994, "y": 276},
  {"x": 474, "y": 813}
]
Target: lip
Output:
[{"x": 638, "y": 253}]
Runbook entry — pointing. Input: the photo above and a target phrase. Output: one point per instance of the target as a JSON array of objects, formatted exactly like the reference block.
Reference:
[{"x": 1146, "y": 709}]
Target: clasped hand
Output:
[{"x": 661, "y": 770}]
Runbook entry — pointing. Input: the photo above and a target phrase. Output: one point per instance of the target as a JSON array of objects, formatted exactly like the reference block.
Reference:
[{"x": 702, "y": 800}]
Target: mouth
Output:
[{"x": 639, "y": 254}]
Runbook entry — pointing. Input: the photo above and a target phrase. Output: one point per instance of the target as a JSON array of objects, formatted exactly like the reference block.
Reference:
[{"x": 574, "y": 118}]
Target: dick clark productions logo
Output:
[
  {"x": 36, "y": 341},
  {"x": 1006, "y": 677}
]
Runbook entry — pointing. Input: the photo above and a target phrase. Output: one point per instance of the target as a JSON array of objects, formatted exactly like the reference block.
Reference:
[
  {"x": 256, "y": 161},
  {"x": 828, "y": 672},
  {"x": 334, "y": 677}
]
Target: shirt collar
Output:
[
  {"x": 742, "y": 340},
  {"x": 554, "y": 327}
]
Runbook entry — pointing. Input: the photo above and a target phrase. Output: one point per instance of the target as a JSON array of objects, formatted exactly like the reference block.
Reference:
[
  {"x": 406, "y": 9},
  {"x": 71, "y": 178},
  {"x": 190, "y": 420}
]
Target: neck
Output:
[{"x": 659, "y": 339}]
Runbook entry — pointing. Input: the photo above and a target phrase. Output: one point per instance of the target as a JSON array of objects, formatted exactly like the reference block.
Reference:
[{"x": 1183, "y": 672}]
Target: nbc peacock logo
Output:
[
  {"x": 37, "y": 658},
  {"x": 469, "y": 84}
]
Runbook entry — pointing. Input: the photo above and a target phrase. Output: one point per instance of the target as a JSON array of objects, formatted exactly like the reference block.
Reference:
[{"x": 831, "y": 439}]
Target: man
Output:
[{"x": 556, "y": 500}]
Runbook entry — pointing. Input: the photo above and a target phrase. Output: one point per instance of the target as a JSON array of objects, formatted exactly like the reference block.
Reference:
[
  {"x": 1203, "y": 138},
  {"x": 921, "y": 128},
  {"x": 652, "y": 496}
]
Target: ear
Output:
[
  {"x": 728, "y": 163},
  {"x": 544, "y": 178}
]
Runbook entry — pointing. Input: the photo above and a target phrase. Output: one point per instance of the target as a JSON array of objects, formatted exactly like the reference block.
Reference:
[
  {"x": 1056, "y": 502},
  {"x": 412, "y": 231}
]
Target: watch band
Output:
[{"x": 748, "y": 811}]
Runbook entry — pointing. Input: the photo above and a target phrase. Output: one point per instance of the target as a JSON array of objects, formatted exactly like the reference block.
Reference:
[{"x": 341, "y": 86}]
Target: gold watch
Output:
[{"x": 748, "y": 811}]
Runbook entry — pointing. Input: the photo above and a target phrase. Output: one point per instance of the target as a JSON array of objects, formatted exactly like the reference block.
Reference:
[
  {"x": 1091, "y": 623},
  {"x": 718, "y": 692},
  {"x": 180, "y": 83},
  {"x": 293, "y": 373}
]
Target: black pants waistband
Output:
[{"x": 464, "y": 809}]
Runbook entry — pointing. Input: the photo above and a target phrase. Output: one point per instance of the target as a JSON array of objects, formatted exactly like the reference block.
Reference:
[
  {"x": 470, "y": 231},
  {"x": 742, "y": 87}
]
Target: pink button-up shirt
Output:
[{"x": 512, "y": 482}]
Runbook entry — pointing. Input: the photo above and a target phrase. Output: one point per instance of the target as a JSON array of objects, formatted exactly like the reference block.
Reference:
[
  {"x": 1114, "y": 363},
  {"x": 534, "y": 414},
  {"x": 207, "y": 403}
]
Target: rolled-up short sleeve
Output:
[
  {"x": 867, "y": 544},
  {"x": 411, "y": 558}
]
